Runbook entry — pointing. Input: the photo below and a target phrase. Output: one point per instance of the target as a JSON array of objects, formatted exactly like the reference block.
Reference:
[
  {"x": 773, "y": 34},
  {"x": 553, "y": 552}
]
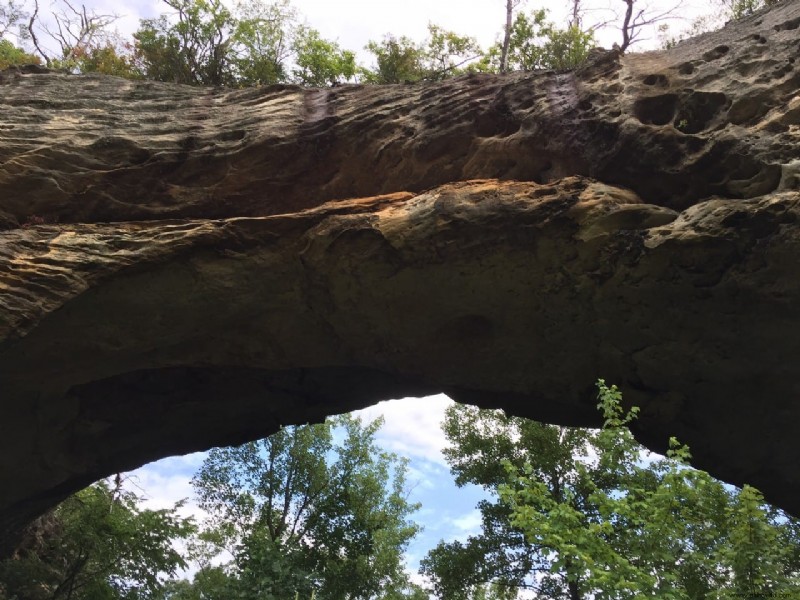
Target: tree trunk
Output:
[
  {"x": 626, "y": 25},
  {"x": 507, "y": 36},
  {"x": 575, "y": 17},
  {"x": 574, "y": 591},
  {"x": 186, "y": 267}
]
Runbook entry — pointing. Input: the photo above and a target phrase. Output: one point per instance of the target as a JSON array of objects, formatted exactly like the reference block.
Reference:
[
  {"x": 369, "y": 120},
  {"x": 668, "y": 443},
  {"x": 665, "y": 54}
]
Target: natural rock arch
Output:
[{"x": 182, "y": 267}]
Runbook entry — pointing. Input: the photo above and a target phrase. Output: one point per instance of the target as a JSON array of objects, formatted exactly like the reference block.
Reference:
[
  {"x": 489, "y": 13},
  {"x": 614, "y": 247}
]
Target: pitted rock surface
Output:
[{"x": 185, "y": 267}]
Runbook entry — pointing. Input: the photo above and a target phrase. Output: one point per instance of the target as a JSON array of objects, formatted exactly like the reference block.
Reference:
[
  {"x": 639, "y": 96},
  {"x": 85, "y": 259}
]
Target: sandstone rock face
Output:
[{"x": 187, "y": 267}]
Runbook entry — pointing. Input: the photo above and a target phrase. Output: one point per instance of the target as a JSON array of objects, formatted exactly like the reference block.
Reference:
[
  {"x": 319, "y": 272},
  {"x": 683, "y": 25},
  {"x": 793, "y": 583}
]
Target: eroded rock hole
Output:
[
  {"x": 656, "y": 110},
  {"x": 699, "y": 110},
  {"x": 232, "y": 136},
  {"x": 749, "y": 107},
  {"x": 120, "y": 151},
  {"x": 788, "y": 25},
  {"x": 496, "y": 123},
  {"x": 656, "y": 80},
  {"x": 749, "y": 178},
  {"x": 716, "y": 53}
]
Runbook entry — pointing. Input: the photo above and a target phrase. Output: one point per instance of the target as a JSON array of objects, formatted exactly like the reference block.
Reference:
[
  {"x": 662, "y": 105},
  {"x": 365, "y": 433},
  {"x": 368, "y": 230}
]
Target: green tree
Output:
[
  {"x": 98, "y": 544},
  {"x": 263, "y": 41},
  {"x": 737, "y": 9},
  {"x": 321, "y": 62},
  {"x": 194, "y": 45},
  {"x": 759, "y": 561},
  {"x": 662, "y": 529},
  {"x": 202, "y": 42},
  {"x": 535, "y": 43},
  {"x": 11, "y": 56},
  {"x": 397, "y": 60},
  {"x": 581, "y": 514},
  {"x": 480, "y": 442},
  {"x": 448, "y": 54},
  {"x": 302, "y": 513},
  {"x": 209, "y": 583},
  {"x": 443, "y": 54},
  {"x": 107, "y": 60}
]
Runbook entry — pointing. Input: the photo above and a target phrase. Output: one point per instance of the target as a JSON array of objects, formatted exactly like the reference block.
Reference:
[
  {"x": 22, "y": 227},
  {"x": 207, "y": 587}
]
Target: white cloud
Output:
[
  {"x": 159, "y": 490},
  {"x": 166, "y": 482},
  {"x": 412, "y": 426},
  {"x": 469, "y": 523},
  {"x": 417, "y": 479}
]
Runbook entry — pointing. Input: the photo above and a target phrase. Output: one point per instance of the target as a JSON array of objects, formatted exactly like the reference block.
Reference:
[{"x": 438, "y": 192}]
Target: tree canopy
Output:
[
  {"x": 581, "y": 514},
  {"x": 321, "y": 511},
  {"x": 314, "y": 509},
  {"x": 99, "y": 544},
  {"x": 257, "y": 42}
]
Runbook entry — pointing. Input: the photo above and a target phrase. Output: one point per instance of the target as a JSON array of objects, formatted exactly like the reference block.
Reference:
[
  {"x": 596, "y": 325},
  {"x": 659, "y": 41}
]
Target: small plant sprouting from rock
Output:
[{"x": 33, "y": 220}]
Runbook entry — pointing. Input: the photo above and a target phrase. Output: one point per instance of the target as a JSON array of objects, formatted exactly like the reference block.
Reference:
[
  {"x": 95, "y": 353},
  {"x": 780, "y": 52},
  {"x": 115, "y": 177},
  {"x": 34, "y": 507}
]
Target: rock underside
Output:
[{"x": 183, "y": 267}]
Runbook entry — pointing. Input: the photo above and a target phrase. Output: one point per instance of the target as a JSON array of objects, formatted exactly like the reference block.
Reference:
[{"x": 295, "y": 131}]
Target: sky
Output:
[
  {"x": 353, "y": 23},
  {"x": 411, "y": 430}
]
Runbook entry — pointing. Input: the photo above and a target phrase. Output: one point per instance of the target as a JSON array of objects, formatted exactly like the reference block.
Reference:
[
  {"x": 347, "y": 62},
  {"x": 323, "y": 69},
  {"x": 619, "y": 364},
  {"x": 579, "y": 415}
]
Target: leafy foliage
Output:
[
  {"x": 12, "y": 15},
  {"x": 481, "y": 442},
  {"x": 205, "y": 43},
  {"x": 535, "y": 43},
  {"x": 443, "y": 54},
  {"x": 107, "y": 60},
  {"x": 263, "y": 41},
  {"x": 397, "y": 60},
  {"x": 447, "y": 53},
  {"x": 98, "y": 544},
  {"x": 303, "y": 514},
  {"x": 257, "y": 42},
  {"x": 313, "y": 511},
  {"x": 321, "y": 62},
  {"x": 11, "y": 56},
  {"x": 192, "y": 48},
  {"x": 738, "y": 9},
  {"x": 584, "y": 514}
]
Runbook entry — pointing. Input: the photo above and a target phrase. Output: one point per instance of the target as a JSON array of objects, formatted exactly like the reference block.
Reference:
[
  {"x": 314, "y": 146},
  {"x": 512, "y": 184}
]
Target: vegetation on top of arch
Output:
[{"x": 204, "y": 42}]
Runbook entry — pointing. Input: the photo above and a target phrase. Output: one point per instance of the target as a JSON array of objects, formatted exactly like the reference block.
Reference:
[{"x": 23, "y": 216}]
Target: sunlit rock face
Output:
[{"x": 188, "y": 267}]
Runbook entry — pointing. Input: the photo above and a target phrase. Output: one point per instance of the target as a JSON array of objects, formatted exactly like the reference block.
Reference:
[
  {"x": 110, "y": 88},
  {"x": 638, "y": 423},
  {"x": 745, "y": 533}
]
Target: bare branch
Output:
[
  {"x": 638, "y": 18},
  {"x": 10, "y": 15},
  {"x": 32, "y": 33},
  {"x": 76, "y": 29}
]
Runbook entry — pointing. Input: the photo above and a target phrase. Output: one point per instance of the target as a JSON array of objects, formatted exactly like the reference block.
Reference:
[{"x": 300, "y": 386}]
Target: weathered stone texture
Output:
[{"x": 185, "y": 267}]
